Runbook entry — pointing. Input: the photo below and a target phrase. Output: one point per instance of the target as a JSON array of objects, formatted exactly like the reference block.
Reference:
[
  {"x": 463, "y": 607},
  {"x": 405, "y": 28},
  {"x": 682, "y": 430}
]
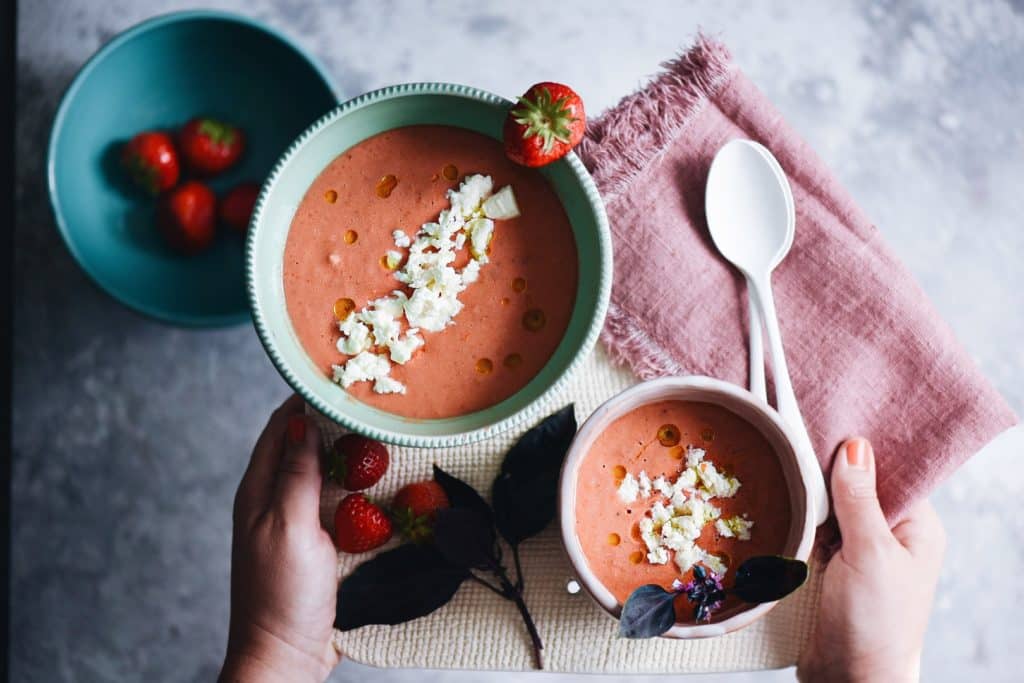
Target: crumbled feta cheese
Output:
[
  {"x": 480, "y": 232},
  {"x": 502, "y": 204},
  {"x": 401, "y": 349},
  {"x": 471, "y": 272},
  {"x": 628, "y": 489},
  {"x": 647, "y": 533},
  {"x": 645, "y": 484},
  {"x": 388, "y": 385},
  {"x": 402, "y": 240},
  {"x": 694, "y": 456},
  {"x": 687, "y": 480},
  {"x": 392, "y": 259},
  {"x": 385, "y": 328},
  {"x": 689, "y": 526},
  {"x": 471, "y": 194},
  {"x": 687, "y": 556},
  {"x": 674, "y": 535},
  {"x": 658, "y": 555},
  {"x": 675, "y": 526},
  {"x": 662, "y": 486},
  {"x": 700, "y": 509},
  {"x": 660, "y": 514},
  {"x": 713, "y": 482},
  {"x": 714, "y": 563},
  {"x": 734, "y": 527},
  {"x": 363, "y": 367},
  {"x": 430, "y": 310},
  {"x": 355, "y": 336},
  {"x": 433, "y": 302},
  {"x": 393, "y": 305}
]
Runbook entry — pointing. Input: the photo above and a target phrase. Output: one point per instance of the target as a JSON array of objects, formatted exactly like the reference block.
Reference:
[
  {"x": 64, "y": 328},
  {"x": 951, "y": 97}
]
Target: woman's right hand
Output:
[{"x": 877, "y": 590}]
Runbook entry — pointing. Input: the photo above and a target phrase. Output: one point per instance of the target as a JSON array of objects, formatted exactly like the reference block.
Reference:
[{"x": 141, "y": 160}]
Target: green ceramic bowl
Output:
[
  {"x": 158, "y": 75},
  {"x": 349, "y": 124}
]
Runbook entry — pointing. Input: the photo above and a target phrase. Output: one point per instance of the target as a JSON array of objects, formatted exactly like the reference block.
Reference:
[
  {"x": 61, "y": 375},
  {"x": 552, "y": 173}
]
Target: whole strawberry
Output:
[
  {"x": 187, "y": 217},
  {"x": 546, "y": 124},
  {"x": 151, "y": 161},
  {"x": 210, "y": 146},
  {"x": 415, "y": 506},
  {"x": 357, "y": 462},
  {"x": 360, "y": 525},
  {"x": 235, "y": 208}
]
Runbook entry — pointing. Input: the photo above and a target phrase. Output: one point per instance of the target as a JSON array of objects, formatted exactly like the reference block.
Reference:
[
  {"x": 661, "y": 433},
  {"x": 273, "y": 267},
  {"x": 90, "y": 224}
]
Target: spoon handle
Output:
[
  {"x": 785, "y": 399},
  {"x": 756, "y": 342}
]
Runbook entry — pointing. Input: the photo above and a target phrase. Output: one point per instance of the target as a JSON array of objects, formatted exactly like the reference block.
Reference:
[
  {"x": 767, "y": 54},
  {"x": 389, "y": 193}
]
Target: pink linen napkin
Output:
[{"x": 867, "y": 352}]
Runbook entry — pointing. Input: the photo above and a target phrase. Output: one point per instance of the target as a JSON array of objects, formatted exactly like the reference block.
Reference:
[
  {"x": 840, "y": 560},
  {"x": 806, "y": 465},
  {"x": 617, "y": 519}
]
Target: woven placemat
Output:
[{"x": 478, "y": 630}]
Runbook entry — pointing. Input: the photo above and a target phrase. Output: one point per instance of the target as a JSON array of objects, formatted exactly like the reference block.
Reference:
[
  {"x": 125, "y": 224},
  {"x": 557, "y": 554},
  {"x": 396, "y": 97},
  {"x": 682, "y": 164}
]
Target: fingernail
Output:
[
  {"x": 297, "y": 429},
  {"x": 857, "y": 453}
]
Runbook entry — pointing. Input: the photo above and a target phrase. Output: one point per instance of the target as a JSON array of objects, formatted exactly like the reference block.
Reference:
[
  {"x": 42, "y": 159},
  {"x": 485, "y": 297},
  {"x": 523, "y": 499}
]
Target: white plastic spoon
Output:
[{"x": 750, "y": 213}]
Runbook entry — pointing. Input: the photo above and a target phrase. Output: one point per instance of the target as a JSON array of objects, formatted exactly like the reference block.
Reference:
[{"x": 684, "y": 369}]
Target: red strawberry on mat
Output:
[
  {"x": 357, "y": 462},
  {"x": 360, "y": 525},
  {"x": 415, "y": 506}
]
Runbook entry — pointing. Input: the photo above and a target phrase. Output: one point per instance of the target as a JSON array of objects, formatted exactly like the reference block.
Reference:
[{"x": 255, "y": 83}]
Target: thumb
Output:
[
  {"x": 297, "y": 491},
  {"x": 855, "y": 499}
]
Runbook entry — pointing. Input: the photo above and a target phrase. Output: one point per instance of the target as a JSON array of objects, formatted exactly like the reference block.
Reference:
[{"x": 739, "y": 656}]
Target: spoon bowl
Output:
[{"x": 749, "y": 207}]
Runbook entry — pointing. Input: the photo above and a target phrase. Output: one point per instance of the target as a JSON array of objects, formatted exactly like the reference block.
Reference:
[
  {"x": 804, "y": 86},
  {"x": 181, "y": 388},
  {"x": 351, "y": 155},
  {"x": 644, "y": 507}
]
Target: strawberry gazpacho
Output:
[
  {"x": 427, "y": 274},
  {"x": 675, "y": 484}
]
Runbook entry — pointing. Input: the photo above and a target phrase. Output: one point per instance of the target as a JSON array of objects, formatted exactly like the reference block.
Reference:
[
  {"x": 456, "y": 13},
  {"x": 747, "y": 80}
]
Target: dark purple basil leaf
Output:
[
  {"x": 767, "y": 578},
  {"x": 396, "y": 586},
  {"x": 648, "y": 612},
  {"x": 525, "y": 492},
  {"x": 462, "y": 495},
  {"x": 465, "y": 538}
]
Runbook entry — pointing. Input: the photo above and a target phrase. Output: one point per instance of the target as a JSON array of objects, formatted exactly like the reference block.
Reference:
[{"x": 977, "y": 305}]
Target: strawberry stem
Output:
[
  {"x": 218, "y": 131},
  {"x": 549, "y": 119}
]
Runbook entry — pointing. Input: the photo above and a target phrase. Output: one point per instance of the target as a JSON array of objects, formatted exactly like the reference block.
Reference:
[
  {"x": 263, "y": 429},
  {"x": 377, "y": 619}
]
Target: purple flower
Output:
[{"x": 705, "y": 590}]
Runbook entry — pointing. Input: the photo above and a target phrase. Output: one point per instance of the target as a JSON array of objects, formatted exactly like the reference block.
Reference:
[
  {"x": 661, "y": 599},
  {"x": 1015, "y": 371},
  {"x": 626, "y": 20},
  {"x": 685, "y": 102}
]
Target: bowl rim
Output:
[
  {"x": 456, "y": 438},
  {"x": 609, "y": 411},
  {"x": 84, "y": 71}
]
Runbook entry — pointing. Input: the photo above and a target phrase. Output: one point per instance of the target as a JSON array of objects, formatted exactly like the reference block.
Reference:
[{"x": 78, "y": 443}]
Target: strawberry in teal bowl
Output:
[{"x": 210, "y": 98}]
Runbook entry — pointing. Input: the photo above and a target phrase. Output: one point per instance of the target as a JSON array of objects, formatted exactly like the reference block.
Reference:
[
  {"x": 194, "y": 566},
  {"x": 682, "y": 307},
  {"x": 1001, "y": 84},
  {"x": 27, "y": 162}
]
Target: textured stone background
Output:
[{"x": 131, "y": 436}]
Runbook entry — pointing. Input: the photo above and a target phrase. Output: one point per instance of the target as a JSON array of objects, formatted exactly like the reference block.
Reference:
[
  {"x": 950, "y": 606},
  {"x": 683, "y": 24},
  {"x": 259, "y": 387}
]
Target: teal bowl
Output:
[
  {"x": 349, "y": 124},
  {"x": 158, "y": 75}
]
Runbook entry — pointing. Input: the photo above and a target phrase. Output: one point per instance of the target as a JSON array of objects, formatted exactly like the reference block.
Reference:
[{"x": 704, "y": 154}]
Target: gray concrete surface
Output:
[{"x": 130, "y": 436}]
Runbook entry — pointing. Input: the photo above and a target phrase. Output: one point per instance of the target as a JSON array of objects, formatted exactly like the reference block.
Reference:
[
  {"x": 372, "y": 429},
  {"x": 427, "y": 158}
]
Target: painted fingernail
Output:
[
  {"x": 857, "y": 453},
  {"x": 297, "y": 429}
]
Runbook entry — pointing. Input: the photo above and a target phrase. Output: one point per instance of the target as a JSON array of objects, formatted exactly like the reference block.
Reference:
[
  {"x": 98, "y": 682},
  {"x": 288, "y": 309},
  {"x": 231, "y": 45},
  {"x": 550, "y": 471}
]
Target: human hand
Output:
[
  {"x": 283, "y": 563},
  {"x": 877, "y": 590}
]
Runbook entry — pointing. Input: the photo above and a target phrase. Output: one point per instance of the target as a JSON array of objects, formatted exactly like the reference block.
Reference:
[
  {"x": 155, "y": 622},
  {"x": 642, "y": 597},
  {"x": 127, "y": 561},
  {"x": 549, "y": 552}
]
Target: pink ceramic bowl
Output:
[{"x": 798, "y": 467}]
